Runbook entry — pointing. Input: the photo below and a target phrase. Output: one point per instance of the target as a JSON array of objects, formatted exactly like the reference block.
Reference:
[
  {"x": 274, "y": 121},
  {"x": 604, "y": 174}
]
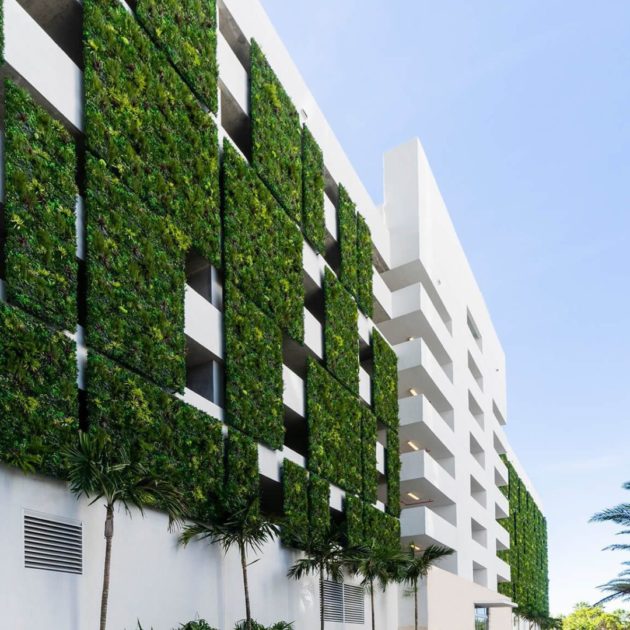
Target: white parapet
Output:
[
  {"x": 313, "y": 334},
  {"x": 424, "y": 526},
  {"x": 293, "y": 395},
  {"x": 232, "y": 75},
  {"x": 203, "y": 322}
]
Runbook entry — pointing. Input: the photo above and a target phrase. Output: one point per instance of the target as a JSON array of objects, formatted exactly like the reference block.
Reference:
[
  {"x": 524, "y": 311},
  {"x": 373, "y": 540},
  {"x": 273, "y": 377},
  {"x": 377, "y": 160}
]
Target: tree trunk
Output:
[
  {"x": 248, "y": 614},
  {"x": 415, "y": 603},
  {"x": 321, "y": 596},
  {"x": 109, "y": 534},
  {"x": 372, "y": 602}
]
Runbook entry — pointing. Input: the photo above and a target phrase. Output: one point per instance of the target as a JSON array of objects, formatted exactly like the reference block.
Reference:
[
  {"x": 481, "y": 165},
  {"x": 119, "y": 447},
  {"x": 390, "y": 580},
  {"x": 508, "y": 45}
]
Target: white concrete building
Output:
[{"x": 452, "y": 390}]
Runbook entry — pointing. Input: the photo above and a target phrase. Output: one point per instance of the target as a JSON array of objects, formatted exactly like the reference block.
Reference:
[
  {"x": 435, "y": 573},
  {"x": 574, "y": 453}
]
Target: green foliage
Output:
[
  {"x": 334, "y": 428},
  {"x": 380, "y": 530},
  {"x": 585, "y": 617},
  {"x": 368, "y": 458},
  {"x": 295, "y": 528},
  {"x": 135, "y": 281},
  {"x": 347, "y": 232},
  {"x": 527, "y": 556},
  {"x": 353, "y": 521},
  {"x": 276, "y": 135},
  {"x": 199, "y": 624},
  {"x": 364, "y": 267},
  {"x": 172, "y": 440},
  {"x": 187, "y": 32},
  {"x": 279, "y": 625},
  {"x": 318, "y": 509},
  {"x": 341, "y": 333},
  {"x": 263, "y": 247},
  {"x": 242, "y": 482},
  {"x": 142, "y": 119},
  {"x": 253, "y": 371},
  {"x": 39, "y": 219},
  {"x": 313, "y": 219},
  {"x": 384, "y": 381},
  {"x": 392, "y": 471},
  {"x": 38, "y": 394}
]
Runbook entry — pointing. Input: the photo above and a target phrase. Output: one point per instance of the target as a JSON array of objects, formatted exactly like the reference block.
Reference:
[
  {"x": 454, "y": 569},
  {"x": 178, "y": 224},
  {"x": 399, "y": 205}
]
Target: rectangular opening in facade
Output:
[
  {"x": 475, "y": 410},
  {"x": 475, "y": 371},
  {"x": 474, "y": 330}
]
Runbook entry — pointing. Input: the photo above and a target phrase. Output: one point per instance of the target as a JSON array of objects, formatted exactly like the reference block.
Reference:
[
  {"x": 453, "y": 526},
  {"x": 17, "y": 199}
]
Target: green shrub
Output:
[
  {"x": 318, "y": 508},
  {"x": 263, "y": 247},
  {"x": 313, "y": 218},
  {"x": 38, "y": 393},
  {"x": 295, "y": 529},
  {"x": 347, "y": 235},
  {"x": 341, "y": 333},
  {"x": 384, "y": 381},
  {"x": 39, "y": 222},
  {"x": 253, "y": 371},
  {"x": 279, "y": 625},
  {"x": 187, "y": 32},
  {"x": 135, "y": 281},
  {"x": 142, "y": 119},
  {"x": 364, "y": 267},
  {"x": 368, "y": 455},
  {"x": 242, "y": 483},
  {"x": 334, "y": 427},
  {"x": 199, "y": 624},
  {"x": 175, "y": 441},
  {"x": 276, "y": 135},
  {"x": 392, "y": 471}
]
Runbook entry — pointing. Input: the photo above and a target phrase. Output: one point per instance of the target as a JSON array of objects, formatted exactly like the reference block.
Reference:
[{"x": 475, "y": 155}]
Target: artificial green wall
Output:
[
  {"x": 318, "y": 509},
  {"x": 186, "y": 31},
  {"x": 527, "y": 555},
  {"x": 367, "y": 526},
  {"x": 295, "y": 527},
  {"x": 347, "y": 236},
  {"x": 313, "y": 218},
  {"x": 39, "y": 407},
  {"x": 276, "y": 135},
  {"x": 392, "y": 471},
  {"x": 364, "y": 267},
  {"x": 384, "y": 381},
  {"x": 242, "y": 482},
  {"x": 368, "y": 456},
  {"x": 263, "y": 247},
  {"x": 39, "y": 211}
]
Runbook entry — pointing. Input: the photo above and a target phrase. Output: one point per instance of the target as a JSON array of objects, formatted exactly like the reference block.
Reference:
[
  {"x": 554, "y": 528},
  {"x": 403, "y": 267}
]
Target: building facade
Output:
[{"x": 192, "y": 269}]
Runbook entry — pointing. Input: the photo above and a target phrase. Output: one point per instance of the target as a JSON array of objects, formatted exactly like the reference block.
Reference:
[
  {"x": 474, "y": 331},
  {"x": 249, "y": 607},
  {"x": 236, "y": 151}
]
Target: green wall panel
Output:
[
  {"x": 313, "y": 217},
  {"x": 384, "y": 381}
]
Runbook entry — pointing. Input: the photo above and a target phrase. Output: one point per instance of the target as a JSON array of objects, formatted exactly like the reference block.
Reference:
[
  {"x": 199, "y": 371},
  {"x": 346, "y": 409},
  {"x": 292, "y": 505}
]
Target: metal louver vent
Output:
[
  {"x": 52, "y": 544},
  {"x": 343, "y": 603}
]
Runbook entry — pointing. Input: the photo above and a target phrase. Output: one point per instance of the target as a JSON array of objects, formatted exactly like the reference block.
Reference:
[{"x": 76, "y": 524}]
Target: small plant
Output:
[
  {"x": 279, "y": 625},
  {"x": 199, "y": 624}
]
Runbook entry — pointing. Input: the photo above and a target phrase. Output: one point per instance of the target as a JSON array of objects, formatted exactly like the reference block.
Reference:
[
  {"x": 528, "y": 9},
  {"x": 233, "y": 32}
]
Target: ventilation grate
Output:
[
  {"x": 52, "y": 545},
  {"x": 333, "y": 601},
  {"x": 343, "y": 603}
]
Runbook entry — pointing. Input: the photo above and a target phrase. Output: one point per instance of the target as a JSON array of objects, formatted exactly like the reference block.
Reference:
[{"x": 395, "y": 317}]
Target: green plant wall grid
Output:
[
  {"x": 173, "y": 440},
  {"x": 366, "y": 526},
  {"x": 347, "y": 236},
  {"x": 276, "y": 135},
  {"x": 242, "y": 483},
  {"x": 334, "y": 428},
  {"x": 341, "y": 333},
  {"x": 313, "y": 215},
  {"x": 39, "y": 213},
  {"x": 253, "y": 371},
  {"x": 263, "y": 247},
  {"x": 364, "y": 267},
  {"x": 369, "y": 472},
  {"x": 295, "y": 529},
  {"x": 143, "y": 120},
  {"x": 187, "y": 32},
  {"x": 392, "y": 471},
  {"x": 39, "y": 407},
  {"x": 318, "y": 509},
  {"x": 135, "y": 280},
  {"x": 384, "y": 381}
]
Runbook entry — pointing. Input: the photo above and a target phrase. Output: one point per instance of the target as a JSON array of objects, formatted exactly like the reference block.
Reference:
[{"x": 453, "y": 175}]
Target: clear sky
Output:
[{"x": 523, "y": 109}]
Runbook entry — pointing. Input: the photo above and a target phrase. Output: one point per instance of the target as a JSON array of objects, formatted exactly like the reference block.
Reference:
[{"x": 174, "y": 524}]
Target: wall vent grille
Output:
[
  {"x": 51, "y": 544},
  {"x": 343, "y": 603}
]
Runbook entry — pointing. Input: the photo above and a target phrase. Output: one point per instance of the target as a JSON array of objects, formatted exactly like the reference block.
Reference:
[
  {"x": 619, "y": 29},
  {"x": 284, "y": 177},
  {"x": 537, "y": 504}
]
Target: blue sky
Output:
[{"x": 524, "y": 111}]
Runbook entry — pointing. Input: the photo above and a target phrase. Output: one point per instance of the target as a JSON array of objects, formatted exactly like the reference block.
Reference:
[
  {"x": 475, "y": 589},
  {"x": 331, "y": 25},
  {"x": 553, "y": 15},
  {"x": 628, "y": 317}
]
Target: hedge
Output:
[
  {"x": 313, "y": 217},
  {"x": 334, "y": 429},
  {"x": 242, "y": 482},
  {"x": 38, "y": 393},
  {"x": 187, "y": 32},
  {"x": 347, "y": 234},
  {"x": 135, "y": 281},
  {"x": 175, "y": 441},
  {"x": 39, "y": 213},
  {"x": 368, "y": 455},
  {"x": 380, "y": 529},
  {"x": 142, "y": 119},
  {"x": 364, "y": 267},
  {"x": 527, "y": 555},
  {"x": 392, "y": 471},
  {"x": 295, "y": 529},
  {"x": 318, "y": 509},
  {"x": 384, "y": 381},
  {"x": 263, "y": 247},
  {"x": 341, "y": 333},
  {"x": 253, "y": 371},
  {"x": 276, "y": 135}
]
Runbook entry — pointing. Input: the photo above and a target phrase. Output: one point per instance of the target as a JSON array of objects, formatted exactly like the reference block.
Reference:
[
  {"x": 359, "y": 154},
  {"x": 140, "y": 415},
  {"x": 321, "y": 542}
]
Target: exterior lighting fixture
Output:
[
  {"x": 410, "y": 338},
  {"x": 415, "y": 547},
  {"x": 413, "y": 392},
  {"x": 413, "y": 445},
  {"x": 413, "y": 496}
]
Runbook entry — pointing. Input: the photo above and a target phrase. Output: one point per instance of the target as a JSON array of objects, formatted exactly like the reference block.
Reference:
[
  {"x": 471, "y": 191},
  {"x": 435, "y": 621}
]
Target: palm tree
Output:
[
  {"x": 417, "y": 567},
  {"x": 378, "y": 565},
  {"x": 325, "y": 558},
  {"x": 97, "y": 470},
  {"x": 244, "y": 528}
]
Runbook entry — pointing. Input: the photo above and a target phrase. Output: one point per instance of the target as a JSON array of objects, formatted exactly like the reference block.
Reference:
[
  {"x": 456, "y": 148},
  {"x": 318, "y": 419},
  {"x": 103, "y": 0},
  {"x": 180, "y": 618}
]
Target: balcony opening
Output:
[
  {"x": 479, "y": 532},
  {"x": 236, "y": 123},
  {"x": 499, "y": 480},
  {"x": 474, "y": 330},
  {"x": 476, "y": 450},
  {"x": 314, "y": 303},
  {"x": 475, "y": 410},
  {"x": 475, "y": 371},
  {"x": 477, "y": 492},
  {"x": 271, "y": 497},
  {"x": 204, "y": 373},
  {"x": 204, "y": 279},
  {"x": 480, "y": 576},
  {"x": 499, "y": 512},
  {"x": 499, "y": 447},
  {"x": 497, "y": 414},
  {"x": 448, "y": 512},
  {"x": 234, "y": 36},
  {"x": 295, "y": 432}
]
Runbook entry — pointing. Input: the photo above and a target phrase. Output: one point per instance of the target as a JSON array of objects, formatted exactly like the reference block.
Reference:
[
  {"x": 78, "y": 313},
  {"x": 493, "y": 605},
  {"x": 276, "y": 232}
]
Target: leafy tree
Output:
[
  {"x": 98, "y": 470},
  {"x": 586, "y": 617},
  {"x": 241, "y": 527},
  {"x": 417, "y": 567}
]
